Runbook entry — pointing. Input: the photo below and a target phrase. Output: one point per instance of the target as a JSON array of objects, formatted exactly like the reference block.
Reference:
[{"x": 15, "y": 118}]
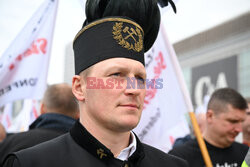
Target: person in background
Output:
[
  {"x": 246, "y": 126},
  {"x": 59, "y": 111},
  {"x": 201, "y": 119},
  {"x": 108, "y": 50},
  {"x": 2, "y": 133},
  {"x": 225, "y": 114}
]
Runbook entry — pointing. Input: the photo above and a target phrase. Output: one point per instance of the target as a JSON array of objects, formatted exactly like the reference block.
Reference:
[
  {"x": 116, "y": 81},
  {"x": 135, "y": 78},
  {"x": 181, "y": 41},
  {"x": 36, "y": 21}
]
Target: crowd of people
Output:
[{"x": 93, "y": 127}]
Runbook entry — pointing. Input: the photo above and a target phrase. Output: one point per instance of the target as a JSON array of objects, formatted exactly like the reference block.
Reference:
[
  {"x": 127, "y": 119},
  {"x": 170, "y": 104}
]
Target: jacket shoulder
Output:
[
  {"x": 23, "y": 140},
  {"x": 160, "y": 158},
  {"x": 44, "y": 151},
  {"x": 185, "y": 149}
]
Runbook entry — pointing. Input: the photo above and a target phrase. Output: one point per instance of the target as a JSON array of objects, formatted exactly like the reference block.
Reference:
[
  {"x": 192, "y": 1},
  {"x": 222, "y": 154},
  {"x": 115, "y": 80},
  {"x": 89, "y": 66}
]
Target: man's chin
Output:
[
  {"x": 230, "y": 141},
  {"x": 127, "y": 127}
]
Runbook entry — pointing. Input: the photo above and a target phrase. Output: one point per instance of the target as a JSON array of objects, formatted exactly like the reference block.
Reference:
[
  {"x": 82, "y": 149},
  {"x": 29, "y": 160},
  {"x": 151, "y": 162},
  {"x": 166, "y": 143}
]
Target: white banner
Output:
[
  {"x": 163, "y": 118},
  {"x": 6, "y": 117},
  {"x": 24, "y": 65},
  {"x": 25, "y": 117}
]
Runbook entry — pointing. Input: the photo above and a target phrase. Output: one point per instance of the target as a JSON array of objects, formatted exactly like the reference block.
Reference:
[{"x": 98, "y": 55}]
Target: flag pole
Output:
[
  {"x": 188, "y": 102},
  {"x": 200, "y": 140}
]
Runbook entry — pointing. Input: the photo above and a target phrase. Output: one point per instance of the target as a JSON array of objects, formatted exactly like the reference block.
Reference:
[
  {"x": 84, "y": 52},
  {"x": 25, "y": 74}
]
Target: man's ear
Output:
[
  {"x": 78, "y": 88},
  {"x": 209, "y": 115}
]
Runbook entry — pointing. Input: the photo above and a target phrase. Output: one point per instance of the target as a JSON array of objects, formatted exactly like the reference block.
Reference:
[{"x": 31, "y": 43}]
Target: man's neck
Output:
[{"x": 114, "y": 141}]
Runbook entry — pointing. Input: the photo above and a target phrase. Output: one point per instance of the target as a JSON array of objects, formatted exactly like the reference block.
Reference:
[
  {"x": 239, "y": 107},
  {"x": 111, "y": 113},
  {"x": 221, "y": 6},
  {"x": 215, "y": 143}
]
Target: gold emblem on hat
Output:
[
  {"x": 101, "y": 153},
  {"x": 129, "y": 32}
]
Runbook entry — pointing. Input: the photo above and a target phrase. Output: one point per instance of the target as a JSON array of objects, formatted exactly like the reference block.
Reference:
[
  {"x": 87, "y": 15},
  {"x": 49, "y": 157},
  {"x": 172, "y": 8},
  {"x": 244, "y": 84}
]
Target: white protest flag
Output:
[
  {"x": 34, "y": 111},
  {"x": 24, "y": 65},
  {"x": 25, "y": 117},
  {"x": 6, "y": 117},
  {"x": 165, "y": 110}
]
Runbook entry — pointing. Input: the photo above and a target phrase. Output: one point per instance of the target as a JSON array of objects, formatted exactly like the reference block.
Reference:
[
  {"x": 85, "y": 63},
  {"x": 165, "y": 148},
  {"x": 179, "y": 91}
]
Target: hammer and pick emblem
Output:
[
  {"x": 101, "y": 153},
  {"x": 128, "y": 32}
]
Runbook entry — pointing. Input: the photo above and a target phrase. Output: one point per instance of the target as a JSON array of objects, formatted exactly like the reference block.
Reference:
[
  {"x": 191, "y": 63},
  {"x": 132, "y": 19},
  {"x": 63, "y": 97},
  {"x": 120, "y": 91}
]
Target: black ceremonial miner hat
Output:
[{"x": 116, "y": 28}]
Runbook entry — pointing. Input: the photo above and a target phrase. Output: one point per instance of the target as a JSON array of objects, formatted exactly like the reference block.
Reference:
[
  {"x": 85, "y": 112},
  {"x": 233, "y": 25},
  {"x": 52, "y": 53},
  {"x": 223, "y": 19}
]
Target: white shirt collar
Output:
[{"x": 128, "y": 151}]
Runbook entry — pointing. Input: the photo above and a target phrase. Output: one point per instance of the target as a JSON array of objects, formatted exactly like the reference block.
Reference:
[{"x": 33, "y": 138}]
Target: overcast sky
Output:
[{"x": 192, "y": 16}]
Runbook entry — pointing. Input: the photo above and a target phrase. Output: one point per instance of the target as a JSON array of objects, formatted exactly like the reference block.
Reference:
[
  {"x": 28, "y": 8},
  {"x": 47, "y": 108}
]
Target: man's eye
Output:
[
  {"x": 233, "y": 121},
  {"x": 140, "y": 79},
  {"x": 117, "y": 74}
]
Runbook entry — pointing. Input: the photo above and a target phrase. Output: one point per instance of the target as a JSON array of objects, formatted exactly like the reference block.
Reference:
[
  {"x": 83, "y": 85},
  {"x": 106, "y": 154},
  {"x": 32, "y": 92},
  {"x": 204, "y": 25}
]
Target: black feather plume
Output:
[
  {"x": 164, "y": 3},
  {"x": 145, "y": 12}
]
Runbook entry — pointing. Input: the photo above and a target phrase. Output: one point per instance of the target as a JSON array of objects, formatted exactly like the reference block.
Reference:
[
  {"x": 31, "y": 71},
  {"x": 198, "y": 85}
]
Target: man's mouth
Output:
[{"x": 130, "y": 106}]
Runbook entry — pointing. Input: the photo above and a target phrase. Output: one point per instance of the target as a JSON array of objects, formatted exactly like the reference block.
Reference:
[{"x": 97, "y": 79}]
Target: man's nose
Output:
[
  {"x": 238, "y": 127},
  {"x": 134, "y": 86}
]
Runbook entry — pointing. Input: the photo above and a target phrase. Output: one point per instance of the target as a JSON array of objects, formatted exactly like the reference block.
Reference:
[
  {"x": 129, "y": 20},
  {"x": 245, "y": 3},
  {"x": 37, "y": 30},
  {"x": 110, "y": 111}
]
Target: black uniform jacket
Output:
[
  {"x": 45, "y": 127},
  {"x": 79, "y": 148}
]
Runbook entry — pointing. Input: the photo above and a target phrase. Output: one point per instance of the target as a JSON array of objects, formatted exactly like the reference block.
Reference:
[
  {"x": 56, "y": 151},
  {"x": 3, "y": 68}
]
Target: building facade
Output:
[{"x": 218, "y": 57}]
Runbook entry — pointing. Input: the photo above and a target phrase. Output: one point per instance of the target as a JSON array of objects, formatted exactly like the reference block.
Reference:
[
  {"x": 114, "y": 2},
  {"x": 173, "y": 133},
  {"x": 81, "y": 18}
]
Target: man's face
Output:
[
  {"x": 246, "y": 123},
  {"x": 226, "y": 125},
  {"x": 107, "y": 101}
]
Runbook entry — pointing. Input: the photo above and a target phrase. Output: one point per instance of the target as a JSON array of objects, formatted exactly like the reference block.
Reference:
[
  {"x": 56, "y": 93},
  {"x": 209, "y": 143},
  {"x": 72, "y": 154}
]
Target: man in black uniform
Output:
[
  {"x": 109, "y": 51},
  {"x": 225, "y": 114}
]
